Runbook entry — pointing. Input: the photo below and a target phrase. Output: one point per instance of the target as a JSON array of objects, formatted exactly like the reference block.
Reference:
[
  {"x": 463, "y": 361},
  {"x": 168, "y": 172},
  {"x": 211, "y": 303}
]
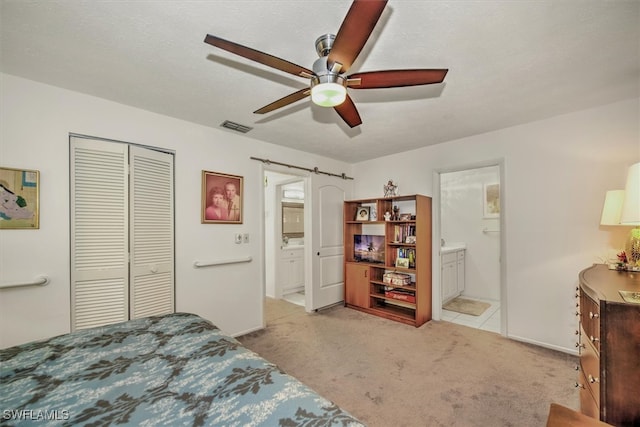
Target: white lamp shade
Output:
[
  {"x": 612, "y": 208},
  {"x": 631, "y": 205}
]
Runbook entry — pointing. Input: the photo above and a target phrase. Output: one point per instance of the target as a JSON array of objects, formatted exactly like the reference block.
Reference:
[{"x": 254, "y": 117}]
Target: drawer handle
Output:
[
  {"x": 594, "y": 340},
  {"x": 593, "y": 315},
  {"x": 593, "y": 379},
  {"x": 579, "y": 345},
  {"x": 577, "y": 385}
]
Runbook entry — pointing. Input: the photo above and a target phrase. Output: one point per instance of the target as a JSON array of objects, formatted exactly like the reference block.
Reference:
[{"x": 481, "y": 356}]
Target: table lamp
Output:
[{"x": 630, "y": 214}]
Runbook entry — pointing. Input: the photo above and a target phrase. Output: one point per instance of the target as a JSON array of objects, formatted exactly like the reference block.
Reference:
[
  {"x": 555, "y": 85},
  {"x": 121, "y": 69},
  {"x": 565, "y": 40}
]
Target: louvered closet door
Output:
[
  {"x": 151, "y": 219},
  {"x": 99, "y": 233}
]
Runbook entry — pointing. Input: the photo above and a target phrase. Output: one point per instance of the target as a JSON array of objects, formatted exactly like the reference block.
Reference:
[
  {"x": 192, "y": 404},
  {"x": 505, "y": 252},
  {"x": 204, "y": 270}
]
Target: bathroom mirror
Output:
[{"x": 292, "y": 220}]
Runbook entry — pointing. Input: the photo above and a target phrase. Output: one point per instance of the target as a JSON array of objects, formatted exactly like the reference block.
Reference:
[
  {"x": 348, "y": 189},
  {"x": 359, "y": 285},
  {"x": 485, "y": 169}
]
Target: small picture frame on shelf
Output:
[
  {"x": 410, "y": 239},
  {"x": 362, "y": 214},
  {"x": 402, "y": 262},
  {"x": 405, "y": 217}
]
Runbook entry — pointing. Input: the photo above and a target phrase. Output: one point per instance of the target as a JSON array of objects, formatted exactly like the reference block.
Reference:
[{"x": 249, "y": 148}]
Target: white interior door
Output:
[
  {"x": 151, "y": 233},
  {"x": 99, "y": 233},
  {"x": 327, "y": 249}
]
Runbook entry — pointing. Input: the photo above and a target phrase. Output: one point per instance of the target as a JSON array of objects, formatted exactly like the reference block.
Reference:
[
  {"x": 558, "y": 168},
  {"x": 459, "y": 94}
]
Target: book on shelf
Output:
[
  {"x": 405, "y": 257},
  {"x": 404, "y": 233}
]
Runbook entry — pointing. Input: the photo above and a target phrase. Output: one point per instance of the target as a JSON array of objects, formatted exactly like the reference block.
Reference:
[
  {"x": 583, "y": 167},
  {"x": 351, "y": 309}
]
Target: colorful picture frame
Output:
[
  {"x": 222, "y": 198},
  {"x": 20, "y": 195}
]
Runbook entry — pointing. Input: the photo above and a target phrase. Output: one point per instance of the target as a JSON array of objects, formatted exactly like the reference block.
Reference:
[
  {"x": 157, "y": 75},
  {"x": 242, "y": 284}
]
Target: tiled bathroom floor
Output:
[
  {"x": 487, "y": 321},
  {"x": 295, "y": 298}
]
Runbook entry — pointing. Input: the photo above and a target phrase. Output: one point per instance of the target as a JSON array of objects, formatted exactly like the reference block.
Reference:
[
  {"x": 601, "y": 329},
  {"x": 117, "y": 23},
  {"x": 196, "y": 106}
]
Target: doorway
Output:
[
  {"x": 285, "y": 267},
  {"x": 468, "y": 225},
  {"x": 322, "y": 248}
]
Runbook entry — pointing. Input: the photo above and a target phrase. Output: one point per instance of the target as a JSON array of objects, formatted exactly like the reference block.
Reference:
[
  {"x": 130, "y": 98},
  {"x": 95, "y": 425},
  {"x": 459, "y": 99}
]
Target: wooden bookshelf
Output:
[{"x": 364, "y": 281}]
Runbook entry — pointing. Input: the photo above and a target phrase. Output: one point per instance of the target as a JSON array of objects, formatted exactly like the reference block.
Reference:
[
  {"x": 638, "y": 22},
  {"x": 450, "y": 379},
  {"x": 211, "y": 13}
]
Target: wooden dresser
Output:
[{"x": 609, "y": 346}]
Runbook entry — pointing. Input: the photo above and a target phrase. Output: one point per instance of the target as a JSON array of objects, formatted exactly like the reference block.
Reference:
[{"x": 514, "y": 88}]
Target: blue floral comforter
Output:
[{"x": 177, "y": 369}]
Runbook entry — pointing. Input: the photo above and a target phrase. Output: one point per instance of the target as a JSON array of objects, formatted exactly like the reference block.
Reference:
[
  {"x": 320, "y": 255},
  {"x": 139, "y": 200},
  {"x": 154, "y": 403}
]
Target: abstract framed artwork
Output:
[
  {"x": 19, "y": 198},
  {"x": 221, "y": 198}
]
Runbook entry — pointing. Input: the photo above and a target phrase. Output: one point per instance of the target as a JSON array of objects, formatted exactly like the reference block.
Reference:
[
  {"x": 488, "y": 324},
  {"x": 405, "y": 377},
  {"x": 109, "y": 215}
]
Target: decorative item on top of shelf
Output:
[
  {"x": 410, "y": 239},
  {"x": 221, "y": 198},
  {"x": 362, "y": 214},
  {"x": 491, "y": 200},
  {"x": 390, "y": 189},
  {"x": 387, "y": 216},
  {"x": 20, "y": 192},
  {"x": 405, "y": 217}
]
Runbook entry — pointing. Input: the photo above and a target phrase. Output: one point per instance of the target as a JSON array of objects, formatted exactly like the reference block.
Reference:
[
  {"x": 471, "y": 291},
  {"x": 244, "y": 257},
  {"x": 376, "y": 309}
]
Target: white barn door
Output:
[{"x": 327, "y": 284}]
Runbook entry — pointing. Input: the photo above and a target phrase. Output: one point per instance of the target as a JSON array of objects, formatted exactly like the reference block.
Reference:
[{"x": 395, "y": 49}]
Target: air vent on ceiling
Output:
[{"x": 235, "y": 126}]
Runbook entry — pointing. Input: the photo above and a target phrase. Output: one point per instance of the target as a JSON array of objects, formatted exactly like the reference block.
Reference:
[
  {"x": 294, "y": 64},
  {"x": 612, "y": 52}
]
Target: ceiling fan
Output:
[{"x": 328, "y": 84}]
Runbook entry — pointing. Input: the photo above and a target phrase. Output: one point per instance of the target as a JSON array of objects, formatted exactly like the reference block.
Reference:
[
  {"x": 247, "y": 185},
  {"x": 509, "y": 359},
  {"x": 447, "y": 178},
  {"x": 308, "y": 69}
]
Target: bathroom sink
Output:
[{"x": 452, "y": 248}]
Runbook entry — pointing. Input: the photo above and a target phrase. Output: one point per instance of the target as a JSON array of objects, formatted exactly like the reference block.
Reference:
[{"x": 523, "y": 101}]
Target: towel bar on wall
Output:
[
  {"x": 199, "y": 264},
  {"x": 40, "y": 281},
  {"x": 486, "y": 230}
]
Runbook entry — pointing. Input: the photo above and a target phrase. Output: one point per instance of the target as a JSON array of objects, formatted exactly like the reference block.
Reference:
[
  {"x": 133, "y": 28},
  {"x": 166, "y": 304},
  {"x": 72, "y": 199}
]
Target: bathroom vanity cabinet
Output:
[
  {"x": 452, "y": 273},
  {"x": 292, "y": 269}
]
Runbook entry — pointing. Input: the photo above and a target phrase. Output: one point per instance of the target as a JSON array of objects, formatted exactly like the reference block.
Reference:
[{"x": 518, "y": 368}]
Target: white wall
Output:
[
  {"x": 461, "y": 220},
  {"x": 556, "y": 173},
  {"x": 36, "y": 120}
]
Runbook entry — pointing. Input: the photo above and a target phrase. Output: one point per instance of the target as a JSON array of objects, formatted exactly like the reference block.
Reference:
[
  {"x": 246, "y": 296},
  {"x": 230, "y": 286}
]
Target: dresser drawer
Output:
[
  {"x": 590, "y": 320},
  {"x": 588, "y": 404},
  {"x": 590, "y": 367}
]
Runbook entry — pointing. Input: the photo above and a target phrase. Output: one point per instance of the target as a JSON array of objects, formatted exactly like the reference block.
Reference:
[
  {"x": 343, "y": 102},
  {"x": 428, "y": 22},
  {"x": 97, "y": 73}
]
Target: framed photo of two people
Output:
[{"x": 221, "y": 198}]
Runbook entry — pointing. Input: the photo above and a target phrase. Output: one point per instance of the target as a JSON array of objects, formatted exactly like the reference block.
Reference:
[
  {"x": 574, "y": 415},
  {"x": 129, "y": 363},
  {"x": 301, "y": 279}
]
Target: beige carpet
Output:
[
  {"x": 466, "y": 306},
  {"x": 441, "y": 374}
]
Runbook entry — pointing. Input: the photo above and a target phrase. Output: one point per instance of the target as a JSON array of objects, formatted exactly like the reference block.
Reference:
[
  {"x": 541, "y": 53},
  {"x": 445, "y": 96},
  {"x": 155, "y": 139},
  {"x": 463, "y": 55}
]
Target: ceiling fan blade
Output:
[
  {"x": 349, "y": 113},
  {"x": 354, "y": 32},
  {"x": 282, "y": 102},
  {"x": 261, "y": 57},
  {"x": 396, "y": 78}
]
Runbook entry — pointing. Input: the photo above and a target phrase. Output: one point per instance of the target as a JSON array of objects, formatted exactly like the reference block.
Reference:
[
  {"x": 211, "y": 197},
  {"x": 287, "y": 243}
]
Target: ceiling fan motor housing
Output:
[{"x": 324, "y": 43}]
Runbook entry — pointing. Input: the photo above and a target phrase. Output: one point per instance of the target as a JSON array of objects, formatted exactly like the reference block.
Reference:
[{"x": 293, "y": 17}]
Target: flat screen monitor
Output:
[{"x": 368, "y": 248}]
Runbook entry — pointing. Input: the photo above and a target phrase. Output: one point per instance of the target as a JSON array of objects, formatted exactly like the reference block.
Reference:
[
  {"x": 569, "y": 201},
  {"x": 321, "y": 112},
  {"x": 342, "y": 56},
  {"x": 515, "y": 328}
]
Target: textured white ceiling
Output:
[{"x": 509, "y": 62}]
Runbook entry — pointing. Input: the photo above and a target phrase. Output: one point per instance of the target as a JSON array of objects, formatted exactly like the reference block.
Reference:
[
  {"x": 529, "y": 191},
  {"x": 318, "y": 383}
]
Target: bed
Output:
[{"x": 177, "y": 369}]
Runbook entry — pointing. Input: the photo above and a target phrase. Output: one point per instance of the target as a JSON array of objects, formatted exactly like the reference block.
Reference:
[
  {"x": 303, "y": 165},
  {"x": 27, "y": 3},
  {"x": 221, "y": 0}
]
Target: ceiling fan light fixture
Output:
[{"x": 328, "y": 90}]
